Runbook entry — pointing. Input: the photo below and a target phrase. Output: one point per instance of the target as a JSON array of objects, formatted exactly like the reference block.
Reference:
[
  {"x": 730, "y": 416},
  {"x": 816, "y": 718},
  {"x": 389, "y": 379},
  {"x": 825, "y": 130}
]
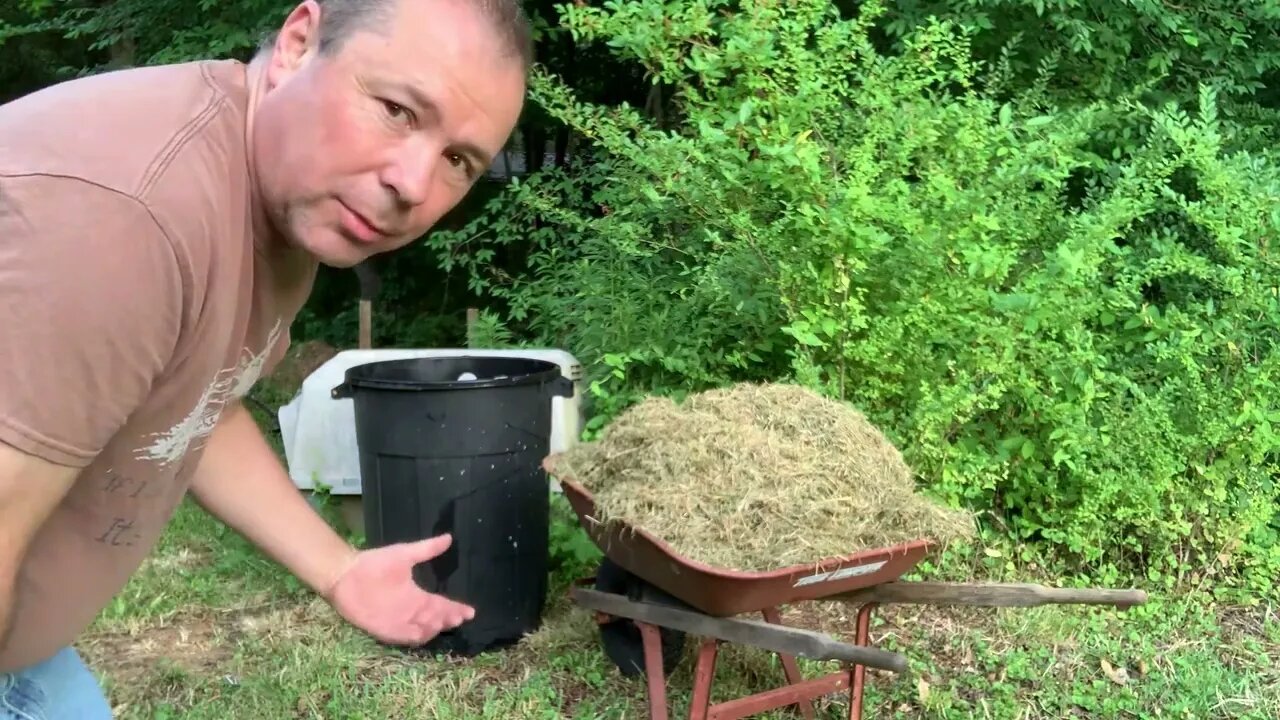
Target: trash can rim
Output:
[{"x": 545, "y": 371}]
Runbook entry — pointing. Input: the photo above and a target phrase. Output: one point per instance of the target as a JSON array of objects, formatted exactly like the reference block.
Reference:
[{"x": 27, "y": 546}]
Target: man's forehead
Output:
[{"x": 468, "y": 99}]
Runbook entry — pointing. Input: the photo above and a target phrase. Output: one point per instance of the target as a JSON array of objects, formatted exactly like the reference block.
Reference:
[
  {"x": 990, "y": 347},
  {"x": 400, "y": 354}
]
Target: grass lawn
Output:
[{"x": 211, "y": 629}]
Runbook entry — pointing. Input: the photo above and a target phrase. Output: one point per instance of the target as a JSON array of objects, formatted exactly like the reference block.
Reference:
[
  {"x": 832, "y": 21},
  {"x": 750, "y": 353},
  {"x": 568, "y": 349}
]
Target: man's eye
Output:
[
  {"x": 396, "y": 111},
  {"x": 458, "y": 161}
]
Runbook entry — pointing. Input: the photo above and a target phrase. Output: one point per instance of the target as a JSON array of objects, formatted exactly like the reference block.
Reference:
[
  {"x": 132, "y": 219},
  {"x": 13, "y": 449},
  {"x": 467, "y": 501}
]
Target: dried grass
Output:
[{"x": 757, "y": 477}]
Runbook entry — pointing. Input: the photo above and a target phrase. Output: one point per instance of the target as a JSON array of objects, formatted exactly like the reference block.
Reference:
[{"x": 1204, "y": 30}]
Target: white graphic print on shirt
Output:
[{"x": 229, "y": 384}]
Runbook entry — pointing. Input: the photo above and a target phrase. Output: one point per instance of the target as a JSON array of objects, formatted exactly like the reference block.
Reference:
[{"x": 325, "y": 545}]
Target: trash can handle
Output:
[
  {"x": 561, "y": 386},
  {"x": 341, "y": 391}
]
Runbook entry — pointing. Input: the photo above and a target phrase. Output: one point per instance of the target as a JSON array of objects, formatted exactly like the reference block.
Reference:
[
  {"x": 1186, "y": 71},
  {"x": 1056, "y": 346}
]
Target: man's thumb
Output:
[{"x": 422, "y": 550}]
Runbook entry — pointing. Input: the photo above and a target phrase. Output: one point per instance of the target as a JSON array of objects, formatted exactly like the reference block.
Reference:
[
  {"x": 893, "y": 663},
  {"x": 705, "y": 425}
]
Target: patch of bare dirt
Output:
[
  {"x": 1248, "y": 622},
  {"x": 193, "y": 643},
  {"x": 201, "y": 641}
]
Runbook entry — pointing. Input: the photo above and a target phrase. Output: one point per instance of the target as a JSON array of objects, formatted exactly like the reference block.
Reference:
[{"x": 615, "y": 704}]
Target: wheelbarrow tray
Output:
[{"x": 721, "y": 592}]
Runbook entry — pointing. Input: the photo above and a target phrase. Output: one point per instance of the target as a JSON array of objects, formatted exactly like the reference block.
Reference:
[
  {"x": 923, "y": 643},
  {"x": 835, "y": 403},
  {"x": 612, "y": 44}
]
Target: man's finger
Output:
[
  {"x": 451, "y": 610},
  {"x": 423, "y": 550},
  {"x": 441, "y": 610},
  {"x": 457, "y": 614},
  {"x": 466, "y": 612},
  {"x": 427, "y": 630}
]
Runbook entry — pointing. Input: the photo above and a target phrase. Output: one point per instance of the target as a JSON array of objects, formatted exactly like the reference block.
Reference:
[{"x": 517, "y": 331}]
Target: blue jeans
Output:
[{"x": 60, "y": 688}]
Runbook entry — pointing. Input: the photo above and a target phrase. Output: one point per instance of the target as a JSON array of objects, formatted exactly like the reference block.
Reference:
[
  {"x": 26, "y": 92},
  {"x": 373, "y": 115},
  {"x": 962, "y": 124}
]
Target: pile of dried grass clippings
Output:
[{"x": 757, "y": 477}]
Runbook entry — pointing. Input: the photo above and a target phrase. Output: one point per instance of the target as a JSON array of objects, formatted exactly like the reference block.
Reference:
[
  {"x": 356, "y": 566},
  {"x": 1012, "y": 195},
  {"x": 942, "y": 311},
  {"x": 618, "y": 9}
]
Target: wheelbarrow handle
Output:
[
  {"x": 793, "y": 641},
  {"x": 991, "y": 595}
]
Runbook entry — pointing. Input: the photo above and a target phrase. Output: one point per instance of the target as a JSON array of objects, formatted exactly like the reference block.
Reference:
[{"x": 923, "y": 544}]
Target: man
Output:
[{"x": 159, "y": 229}]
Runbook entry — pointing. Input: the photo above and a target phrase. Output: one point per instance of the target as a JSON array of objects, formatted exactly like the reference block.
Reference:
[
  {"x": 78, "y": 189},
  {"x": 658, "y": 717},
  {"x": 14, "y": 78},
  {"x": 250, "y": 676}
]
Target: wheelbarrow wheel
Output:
[{"x": 621, "y": 637}]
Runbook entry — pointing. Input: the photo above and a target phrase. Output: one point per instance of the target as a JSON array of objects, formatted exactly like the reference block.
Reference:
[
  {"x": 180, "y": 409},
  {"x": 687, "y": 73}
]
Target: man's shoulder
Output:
[{"x": 124, "y": 129}]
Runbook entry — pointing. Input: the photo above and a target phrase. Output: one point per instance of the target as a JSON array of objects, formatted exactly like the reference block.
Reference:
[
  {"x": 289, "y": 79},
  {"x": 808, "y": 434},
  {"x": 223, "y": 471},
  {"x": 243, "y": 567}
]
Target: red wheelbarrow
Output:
[{"x": 647, "y": 598}]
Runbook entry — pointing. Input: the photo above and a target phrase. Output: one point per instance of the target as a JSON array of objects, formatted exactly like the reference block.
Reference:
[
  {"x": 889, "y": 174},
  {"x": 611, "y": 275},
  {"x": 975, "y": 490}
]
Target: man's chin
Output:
[
  {"x": 343, "y": 264},
  {"x": 333, "y": 250}
]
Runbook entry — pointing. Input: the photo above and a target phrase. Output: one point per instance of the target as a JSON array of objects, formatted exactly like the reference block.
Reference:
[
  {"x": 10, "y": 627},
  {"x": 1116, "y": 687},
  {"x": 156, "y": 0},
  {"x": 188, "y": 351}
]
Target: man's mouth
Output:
[{"x": 360, "y": 226}]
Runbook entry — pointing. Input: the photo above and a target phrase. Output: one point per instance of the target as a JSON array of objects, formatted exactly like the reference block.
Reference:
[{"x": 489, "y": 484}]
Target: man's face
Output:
[{"x": 360, "y": 152}]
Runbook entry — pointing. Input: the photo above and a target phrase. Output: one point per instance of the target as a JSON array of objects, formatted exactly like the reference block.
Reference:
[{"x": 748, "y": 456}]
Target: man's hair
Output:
[{"x": 340, "y": 19}]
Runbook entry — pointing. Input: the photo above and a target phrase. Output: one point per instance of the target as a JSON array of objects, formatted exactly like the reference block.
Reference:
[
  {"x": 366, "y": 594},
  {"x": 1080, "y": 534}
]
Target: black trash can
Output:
[{"x": 455, "y": 445}]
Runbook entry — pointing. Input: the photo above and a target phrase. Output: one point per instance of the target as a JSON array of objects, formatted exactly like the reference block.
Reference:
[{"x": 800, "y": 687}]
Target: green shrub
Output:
[
  {"x": 1065, "y": 316},
  {"x": 1101, "y": 48}
]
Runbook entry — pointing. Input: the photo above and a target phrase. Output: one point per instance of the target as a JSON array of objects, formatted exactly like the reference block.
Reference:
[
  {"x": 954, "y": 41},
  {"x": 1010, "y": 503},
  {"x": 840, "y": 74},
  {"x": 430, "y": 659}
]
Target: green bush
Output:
[
  {"x": 1100, "y": 48},
  {"x": 1064, "y": 315}
]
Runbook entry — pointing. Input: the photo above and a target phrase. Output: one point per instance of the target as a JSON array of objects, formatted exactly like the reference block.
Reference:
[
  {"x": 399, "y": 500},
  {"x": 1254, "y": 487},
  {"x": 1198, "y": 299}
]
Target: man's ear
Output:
[{"x": 296, "y": 43}]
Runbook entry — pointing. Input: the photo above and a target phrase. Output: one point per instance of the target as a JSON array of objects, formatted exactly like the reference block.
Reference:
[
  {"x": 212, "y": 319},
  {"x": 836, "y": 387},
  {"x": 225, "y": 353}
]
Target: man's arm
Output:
[
  {"x": 91, "y": 303},
  {"x": 241, "y": 481},
  {"x": 30, "y": 488}
]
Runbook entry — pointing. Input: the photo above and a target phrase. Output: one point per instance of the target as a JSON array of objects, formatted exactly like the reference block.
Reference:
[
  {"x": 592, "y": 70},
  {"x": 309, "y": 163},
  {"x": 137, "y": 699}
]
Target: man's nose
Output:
[{"x": 409, "y": 175}]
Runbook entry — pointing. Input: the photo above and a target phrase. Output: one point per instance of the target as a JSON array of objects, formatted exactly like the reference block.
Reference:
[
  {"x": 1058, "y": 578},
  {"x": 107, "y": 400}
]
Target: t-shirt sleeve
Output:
[{"x": 91, "y": 301}]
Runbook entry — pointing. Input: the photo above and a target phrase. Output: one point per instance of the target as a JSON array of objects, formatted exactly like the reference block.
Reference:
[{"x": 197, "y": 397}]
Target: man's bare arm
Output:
[
  {"x": 30, "y": 489},
  {"x": 242, "y": 482}
]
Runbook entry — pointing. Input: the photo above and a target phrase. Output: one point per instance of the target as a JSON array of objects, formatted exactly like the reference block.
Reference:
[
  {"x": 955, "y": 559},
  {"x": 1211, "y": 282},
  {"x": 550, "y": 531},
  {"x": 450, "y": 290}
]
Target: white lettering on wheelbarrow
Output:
[{"x": 841, "y": 574}]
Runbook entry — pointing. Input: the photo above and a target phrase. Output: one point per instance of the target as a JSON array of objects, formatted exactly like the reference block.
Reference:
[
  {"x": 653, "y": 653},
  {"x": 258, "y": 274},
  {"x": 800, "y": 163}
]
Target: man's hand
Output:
[{"x": 377, "y": 594}]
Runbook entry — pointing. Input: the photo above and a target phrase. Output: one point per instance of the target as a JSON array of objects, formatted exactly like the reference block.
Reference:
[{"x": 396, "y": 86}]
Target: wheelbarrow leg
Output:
[
  {"x": 653, "y": 669},
  {"x": 797, "y": 692},
  {"x": 860, "y": 671},
  {"x": 789, "y": 666},
  {"x": 703, "y": 677}
]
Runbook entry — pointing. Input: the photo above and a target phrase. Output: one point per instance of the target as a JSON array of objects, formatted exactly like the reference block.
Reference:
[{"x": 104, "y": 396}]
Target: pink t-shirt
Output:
[{"x": 136, "y": 304}]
